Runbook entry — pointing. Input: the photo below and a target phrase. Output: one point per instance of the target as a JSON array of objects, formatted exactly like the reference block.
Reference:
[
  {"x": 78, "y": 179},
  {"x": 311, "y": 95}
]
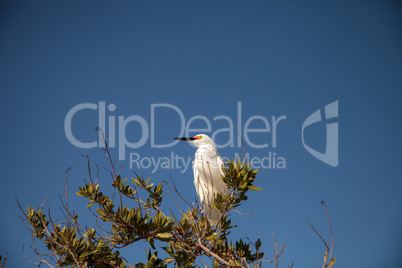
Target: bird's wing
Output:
[
  {"x": 218, "y": 184},
  {"x": 199, "y": 182},
  {"x": 220, "y": 163},
  {"x": 194, "y": 169}
]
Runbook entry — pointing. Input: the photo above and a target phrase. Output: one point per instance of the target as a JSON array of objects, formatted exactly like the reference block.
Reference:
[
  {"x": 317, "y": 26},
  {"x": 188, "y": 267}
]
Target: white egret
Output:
[{"x": 207, "y": 167}]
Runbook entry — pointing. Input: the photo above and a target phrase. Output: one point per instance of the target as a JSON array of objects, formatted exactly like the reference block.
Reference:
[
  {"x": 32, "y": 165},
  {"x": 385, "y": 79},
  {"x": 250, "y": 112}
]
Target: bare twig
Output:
[
  {"x": 211, "y": 253},
  {"x": 278, "y": 251},
  {"x": 66, "y": 197},
  {"x": 328, "y": 262},
  {"x": 330, "y": 228},
  {"x": 244, "y": 148},
  {"x": 112, "y": 164},
  {"x": 319, "y": 235},
  {"x": 4, "y": 261}
]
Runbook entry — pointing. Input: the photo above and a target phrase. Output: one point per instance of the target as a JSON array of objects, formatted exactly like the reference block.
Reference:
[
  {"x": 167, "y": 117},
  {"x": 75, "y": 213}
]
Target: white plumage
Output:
[{"x": 207, "y": 168}]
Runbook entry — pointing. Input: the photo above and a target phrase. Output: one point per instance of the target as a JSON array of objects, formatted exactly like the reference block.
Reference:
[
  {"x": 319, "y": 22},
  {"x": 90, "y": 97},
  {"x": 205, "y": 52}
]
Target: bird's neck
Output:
[{"x": 208, "y": 146}]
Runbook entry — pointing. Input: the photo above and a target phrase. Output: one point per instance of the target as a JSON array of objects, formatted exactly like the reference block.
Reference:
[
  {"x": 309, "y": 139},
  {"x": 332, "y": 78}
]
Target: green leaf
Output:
[
  {"x": 90, "y": 189},
  {"x": 332, "y": 262},
  {"x": 258, "y": 243},
  {"x": 159, "y": 188},
  {"x": 211, "y": 237},
  {"x": 164, "y": 235},
  {"x": 135, "y": 181},
  {"x": 254, "y": 188},
  {"x": 101, "y": 212},
  {"x": 89, "y": 204},
  {"x": 168, "y": 260},
  {"x": 80, "y": 194},
  {"x": 152, "y": 243}
]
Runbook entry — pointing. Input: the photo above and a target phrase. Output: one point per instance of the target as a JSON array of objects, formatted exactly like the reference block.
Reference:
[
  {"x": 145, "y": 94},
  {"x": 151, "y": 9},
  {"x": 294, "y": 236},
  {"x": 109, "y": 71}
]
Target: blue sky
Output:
[{"x": 202, "y": 57}]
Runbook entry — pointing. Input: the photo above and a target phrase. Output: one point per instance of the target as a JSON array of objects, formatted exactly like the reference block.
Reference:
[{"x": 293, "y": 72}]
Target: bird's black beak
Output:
[{"x": 185, "y": 139}]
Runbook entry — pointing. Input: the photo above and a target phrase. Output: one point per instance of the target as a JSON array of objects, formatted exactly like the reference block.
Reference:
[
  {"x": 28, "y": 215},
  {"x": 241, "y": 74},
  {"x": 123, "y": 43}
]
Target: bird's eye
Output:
[{"x": 199, "y": 137}]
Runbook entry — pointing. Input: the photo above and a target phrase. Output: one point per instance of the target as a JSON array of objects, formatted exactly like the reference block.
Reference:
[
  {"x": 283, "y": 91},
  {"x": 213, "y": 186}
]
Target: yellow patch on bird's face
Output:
[{"x": 199, "y": 137}]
